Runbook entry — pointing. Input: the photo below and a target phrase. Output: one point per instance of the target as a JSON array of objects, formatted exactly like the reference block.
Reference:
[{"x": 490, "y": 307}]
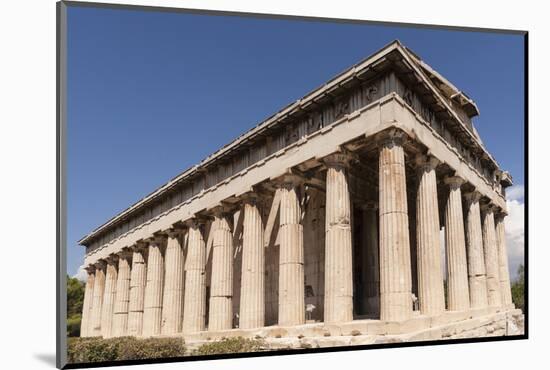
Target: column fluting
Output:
[
  {"x": 122, "y": 300},
  {"x": 291, "y": 255},
  {"x": 431, "y": 296},
  {"x": 194, "y": 307},
  {"x": 491, "y": 257},
  {"x": 338, "y": 305},
  {"x": 455, "y": 243},
  {"x": 87, "y": 304},
  {"x": 252, "y": 304},
  {"x": 138, "y": 279},
  {"x": 474, "y": 244},
  {"x": 395, "y": 259},
  {"x": 221, "y": 292},
  {"x": 172, "y": 301},
  {"x": 504, "y": 273},
  {"x": 99, "y": 287},
  {"x": 109, "y": 295},
  {"x": 152, "y": 307}
]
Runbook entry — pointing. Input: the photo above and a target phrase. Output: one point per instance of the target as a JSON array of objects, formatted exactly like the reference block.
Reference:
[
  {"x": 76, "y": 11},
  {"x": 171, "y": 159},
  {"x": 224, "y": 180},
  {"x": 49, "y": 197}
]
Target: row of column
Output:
[
  {"x": 164, "y": 292},
  {"x": 476, "y": 256},
  {"x": 153, "y": 288}
]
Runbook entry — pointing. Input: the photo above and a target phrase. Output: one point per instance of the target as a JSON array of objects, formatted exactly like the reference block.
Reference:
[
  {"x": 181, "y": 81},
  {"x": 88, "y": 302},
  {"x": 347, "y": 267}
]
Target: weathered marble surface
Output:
[{"x": 273, "y": 221}]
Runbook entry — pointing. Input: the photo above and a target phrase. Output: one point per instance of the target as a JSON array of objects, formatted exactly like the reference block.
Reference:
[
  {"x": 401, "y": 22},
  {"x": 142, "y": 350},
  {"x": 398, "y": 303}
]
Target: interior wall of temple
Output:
[{"x": 314, "y": 251}]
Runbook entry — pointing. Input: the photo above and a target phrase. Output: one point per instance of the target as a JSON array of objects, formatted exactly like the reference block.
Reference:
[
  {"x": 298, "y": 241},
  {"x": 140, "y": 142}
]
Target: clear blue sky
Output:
[{"x": 152, "y": 93}]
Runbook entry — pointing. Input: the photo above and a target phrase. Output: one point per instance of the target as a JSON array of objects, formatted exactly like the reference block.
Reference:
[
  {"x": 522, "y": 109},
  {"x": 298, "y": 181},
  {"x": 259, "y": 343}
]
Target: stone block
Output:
[
  {"x": 334, "y": 329},
  {"x": 478, "y": 312},
  {"x": 309, "y": 343},
  {"x": 334, "y": 341},
  {"x": 363, "y": 339},
  {"x": 427, "y": 334},
  {"x": 364, "y": 332},
  {"x": 376, "y": 327},
  {"x": 392, "y": 328},
  {"x": 282, "y": 343},
  {"x": 415, "y": 324},
  {"x": 388, "y": 339},
  {"x": 361, "y": 326},
  {"x": 449, "y": 317},
  {"x": 278, "y": 332},
  {"x": 466, "y": 325}
]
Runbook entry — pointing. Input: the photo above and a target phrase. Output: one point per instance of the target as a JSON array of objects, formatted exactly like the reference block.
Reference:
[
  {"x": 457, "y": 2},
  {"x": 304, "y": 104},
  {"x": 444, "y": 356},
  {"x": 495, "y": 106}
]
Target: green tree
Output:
[
  {"x": 75, "y": 300},
  {"x": 518, "y": 289},
  {"x": 75, "y": 296}
]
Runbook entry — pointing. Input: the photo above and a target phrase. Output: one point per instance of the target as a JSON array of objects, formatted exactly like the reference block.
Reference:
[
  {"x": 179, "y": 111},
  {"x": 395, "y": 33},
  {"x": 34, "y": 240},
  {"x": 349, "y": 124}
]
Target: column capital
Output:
[
  {"x": 391, "y": 137},
  {"x": 250, "y": 197},
  {"x": 125, "y": 253},
  {"x": 500, "y": 215},
  {"x": 472, "y": 196},
  {"x": 195, "y": 222},
  {"x": 488, "y": 208},
  {"x": 101, "y": 264},
  {"x": 426, "y": 162},
  {"x": 454, "y": 181},
  {"x": 111, "y": 259},
  {"x": 338, "y": 160},
  {"x": 140, "y": 246},
  {"x": 221, "y": 209},
  {"x": 90, "y": 269},
  {"x": 173, "y": 232},
  {"x": 288, "y": 181},
  {"x": 158, "y": 239}
]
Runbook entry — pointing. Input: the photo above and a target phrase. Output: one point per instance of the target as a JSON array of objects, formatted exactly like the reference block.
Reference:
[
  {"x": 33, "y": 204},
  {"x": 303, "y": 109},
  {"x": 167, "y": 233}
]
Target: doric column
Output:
[
  {"x": 474, "y": 245},
  {"x": 371, "y": 272},
  {"x": 152, "y": 307},
  {"x": 252, "y": 304},
  {"x": 99, "y": 287},
  {"x": 221, "y": 290},
  {"x": 172, "y": 301},
  {"x": 395, "y": 259},
  {"x": 194, "y": 307},
  {"x": 431, "y": 296},
  {"x": 109, "y": 295},
  {"x": 122, "y": 301},
  {"x": 291, "y": 255},
  {"x": 138, "y": 278},
  {"x": 504, "y": 273},
  {"x": 491, "y": 257},
  {"x": 338, "y": 242},
  {"x": 455, "y": 243},
  {"x": 87, "y": 304}
]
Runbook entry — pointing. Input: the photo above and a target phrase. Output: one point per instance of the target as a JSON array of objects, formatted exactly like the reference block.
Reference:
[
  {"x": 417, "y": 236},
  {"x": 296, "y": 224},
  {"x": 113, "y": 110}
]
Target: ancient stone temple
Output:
[{"x": 323, "y": 220}]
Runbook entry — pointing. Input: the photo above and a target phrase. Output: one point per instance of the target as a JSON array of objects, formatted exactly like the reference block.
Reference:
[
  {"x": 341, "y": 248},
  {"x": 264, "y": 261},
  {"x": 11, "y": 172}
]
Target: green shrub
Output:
[
  {"x": 231, "y": 345},
  {"x": 73, "y": 326},
  {"x": 92, "y": 349},
  {"x": 518, "y": 289},
  {"x": 151, "y": 348},
  {"x": 124, "y": 348}
]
